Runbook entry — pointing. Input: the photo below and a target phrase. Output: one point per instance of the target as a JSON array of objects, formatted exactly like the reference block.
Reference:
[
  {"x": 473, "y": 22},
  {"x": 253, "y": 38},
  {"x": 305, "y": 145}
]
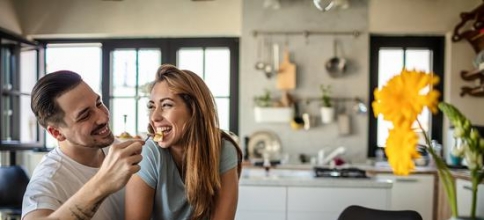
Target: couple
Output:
[{"x": 192, "y": 173}]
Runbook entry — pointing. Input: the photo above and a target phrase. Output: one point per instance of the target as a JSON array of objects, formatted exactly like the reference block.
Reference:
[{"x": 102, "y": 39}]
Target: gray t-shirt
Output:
[{"x": 159, "y": 171}]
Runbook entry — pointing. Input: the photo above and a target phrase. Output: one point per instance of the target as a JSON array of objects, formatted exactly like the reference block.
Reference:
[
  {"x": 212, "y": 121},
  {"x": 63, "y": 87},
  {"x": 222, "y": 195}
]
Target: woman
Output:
[{"x": 192, "y": 171}]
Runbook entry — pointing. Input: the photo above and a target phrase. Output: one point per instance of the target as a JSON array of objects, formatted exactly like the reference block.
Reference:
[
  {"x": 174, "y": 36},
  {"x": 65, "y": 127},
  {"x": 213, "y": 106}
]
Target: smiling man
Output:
[{"x": 80, "y": 179}]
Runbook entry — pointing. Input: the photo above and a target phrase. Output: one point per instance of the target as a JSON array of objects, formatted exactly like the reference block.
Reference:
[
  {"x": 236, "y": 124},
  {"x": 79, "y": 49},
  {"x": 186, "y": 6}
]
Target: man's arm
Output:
[{"x": 116, "y": 169}]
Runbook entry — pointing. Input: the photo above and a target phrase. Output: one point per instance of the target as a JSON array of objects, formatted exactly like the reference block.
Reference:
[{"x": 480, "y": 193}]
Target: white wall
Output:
[
  {"x": 126, "y": 18},
  {"x": 8, "y": 17}
]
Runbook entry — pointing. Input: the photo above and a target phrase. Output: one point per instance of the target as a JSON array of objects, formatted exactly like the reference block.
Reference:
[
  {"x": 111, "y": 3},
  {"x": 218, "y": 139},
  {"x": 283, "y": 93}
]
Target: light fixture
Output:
[
  {"x": 272, "y": 4},
  {"x": 328, "y": 5}
]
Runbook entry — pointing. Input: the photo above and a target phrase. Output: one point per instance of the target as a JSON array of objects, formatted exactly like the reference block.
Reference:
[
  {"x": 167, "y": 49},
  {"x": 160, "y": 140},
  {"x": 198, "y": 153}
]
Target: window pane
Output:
[
  {"x": 217, "y": 70},
  {"x": 418, "y": 59},
  {"x": 390, "y": 63},
  {"x": 149, "y": 61},
  {"x": 28, "y": 122},
  {"x": 7, "y": 114},
  {"x": 143, "y": 116},
  {"x": 191, "y": 59},
  {"x": 84, "y": 59},
  {"x": 28, "y": 68},
  {"x": 223, "y": 109},
  {"x": 119, "y": 108},
  {"x": 123, "y": 77}
]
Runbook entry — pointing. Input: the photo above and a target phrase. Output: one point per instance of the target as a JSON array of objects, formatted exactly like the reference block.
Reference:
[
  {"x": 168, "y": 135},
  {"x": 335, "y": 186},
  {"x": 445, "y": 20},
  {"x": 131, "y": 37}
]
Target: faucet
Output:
[{"x": 322, "y": 160}]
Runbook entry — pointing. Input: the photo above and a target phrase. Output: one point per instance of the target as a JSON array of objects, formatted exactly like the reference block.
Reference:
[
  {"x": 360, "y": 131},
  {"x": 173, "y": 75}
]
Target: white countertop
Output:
[{"x": 304, "y": 178}]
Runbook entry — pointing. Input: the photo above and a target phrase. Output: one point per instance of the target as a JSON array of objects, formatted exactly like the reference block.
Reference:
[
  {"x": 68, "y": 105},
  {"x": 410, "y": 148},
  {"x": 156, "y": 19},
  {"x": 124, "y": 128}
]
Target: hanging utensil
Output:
[
  {"x": 268, "y": 68},
  {"x": 259, "y": 65},
  {"x": 336, "y": 66}
]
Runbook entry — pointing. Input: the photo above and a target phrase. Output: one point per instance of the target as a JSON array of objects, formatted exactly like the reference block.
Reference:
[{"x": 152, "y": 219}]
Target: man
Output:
[{"x": 79, "y": 179}]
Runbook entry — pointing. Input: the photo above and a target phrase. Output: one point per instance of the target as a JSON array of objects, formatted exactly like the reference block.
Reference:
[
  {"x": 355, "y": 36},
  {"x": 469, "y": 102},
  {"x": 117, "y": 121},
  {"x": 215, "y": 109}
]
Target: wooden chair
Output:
[{"x": 355, "y": 212}]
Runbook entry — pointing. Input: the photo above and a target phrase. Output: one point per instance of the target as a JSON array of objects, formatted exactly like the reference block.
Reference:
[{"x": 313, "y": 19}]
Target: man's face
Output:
[{"x": 86, "y": 119}]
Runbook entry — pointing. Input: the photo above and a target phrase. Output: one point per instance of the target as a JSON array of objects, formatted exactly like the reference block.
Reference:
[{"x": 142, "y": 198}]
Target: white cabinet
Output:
[
  {"x": 413, "y": 192},
  {"x": 464, "y": 197},
  {"x": 296, "y": 203},
  {"x": 327, "y": 203},
  {"x": 261, "y": 202}
]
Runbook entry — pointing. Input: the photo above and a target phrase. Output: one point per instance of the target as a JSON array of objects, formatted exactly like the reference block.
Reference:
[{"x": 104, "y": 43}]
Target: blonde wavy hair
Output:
[{"x": 202, "y": 139}]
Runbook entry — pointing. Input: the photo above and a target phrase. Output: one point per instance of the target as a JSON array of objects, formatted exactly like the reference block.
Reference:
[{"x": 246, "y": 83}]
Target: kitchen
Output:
[{"x": 237, "y": 18}]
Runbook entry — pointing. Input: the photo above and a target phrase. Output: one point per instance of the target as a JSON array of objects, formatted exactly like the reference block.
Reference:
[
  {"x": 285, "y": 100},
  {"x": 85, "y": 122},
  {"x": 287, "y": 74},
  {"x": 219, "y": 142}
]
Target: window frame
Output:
[
  {"x": 16, "y": 92},
  {"x": 434, "y": 43}
]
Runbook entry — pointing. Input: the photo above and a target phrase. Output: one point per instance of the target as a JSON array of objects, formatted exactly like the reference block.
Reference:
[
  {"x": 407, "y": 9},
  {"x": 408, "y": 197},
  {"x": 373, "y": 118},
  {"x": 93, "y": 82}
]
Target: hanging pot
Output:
[{"x": 336, "y": 66}]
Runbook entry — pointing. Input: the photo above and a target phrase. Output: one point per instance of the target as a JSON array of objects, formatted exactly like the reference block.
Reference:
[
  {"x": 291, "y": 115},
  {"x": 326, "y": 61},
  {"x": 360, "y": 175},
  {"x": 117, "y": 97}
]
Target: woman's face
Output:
[{"x": 169, "y": 113}]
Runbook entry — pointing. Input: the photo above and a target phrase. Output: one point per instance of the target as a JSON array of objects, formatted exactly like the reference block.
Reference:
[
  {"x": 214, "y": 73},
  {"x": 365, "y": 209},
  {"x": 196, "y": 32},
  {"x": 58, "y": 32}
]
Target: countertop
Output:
[
  {"x": 303, "y": 176},
  {"x": 307, "y": 179}
]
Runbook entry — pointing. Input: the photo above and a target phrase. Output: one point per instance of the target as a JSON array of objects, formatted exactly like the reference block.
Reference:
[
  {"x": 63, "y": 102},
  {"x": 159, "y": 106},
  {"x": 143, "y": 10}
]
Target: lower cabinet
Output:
[
  {"x": 413, "y": 192},
  {"x": 261, "y": 202},
  {"x": 297, "y": 203},
  {"x": 464, "y": 198},
  {"x": 316, "y": 203}
]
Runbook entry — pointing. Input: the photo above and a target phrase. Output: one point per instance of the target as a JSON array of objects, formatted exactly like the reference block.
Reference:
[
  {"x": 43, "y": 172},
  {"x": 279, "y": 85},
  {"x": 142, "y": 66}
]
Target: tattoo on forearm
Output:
[{"x": 83, "y": 214}]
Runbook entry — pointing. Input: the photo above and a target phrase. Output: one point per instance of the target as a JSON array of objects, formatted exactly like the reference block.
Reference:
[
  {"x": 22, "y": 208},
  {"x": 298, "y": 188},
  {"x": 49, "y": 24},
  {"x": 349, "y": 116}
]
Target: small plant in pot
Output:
[
  {"x": 264, "y": 100},
  {"x": 327, "y": 109}
]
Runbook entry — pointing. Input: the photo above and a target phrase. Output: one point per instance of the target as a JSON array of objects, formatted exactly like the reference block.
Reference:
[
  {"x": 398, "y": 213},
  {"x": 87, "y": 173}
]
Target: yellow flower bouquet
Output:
[{"x": 400, "y": 101}]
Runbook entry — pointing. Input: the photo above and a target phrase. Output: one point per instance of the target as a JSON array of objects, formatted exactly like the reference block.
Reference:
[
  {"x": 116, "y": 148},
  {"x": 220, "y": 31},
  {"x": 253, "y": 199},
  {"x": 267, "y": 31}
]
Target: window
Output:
[
  {"x": 19, "y": 72},
  {"x": 388, "y": 55},
  {"x": 122, "y": 68}
]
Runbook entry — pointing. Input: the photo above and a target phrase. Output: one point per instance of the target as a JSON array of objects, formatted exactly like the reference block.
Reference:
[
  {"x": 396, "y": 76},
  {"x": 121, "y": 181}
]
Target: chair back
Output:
[
  {"x": 13, "y": 182},
  {"x": 355, "y": 212}
]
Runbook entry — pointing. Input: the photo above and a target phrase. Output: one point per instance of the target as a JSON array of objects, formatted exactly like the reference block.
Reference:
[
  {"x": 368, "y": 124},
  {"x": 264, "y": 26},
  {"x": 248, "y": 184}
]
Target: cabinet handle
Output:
[
  {"x": 406, "y": 180},
  {"x": 467, "y": 187}
]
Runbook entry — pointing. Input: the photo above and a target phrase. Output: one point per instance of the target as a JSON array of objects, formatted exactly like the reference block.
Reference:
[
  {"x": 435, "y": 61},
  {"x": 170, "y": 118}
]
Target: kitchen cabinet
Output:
[
  {"x": 261, "y": 203},
  {"x": 327, "y": 203},
  {"x": 295, "y": 203},
  {"x": 413, "y": 192},
  {"x": 464, "y": 197}
]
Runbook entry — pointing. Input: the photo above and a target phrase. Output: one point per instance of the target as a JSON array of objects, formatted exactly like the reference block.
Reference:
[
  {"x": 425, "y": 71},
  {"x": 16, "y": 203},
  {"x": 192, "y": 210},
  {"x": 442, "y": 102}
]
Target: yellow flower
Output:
[
  {"x": 401, "y": 149},
  {"x": 405, "y": 95}
]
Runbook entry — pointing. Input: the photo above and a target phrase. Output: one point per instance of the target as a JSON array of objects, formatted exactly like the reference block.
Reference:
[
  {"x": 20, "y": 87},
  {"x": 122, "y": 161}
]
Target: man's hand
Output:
[{"x": 118, "y": 166}]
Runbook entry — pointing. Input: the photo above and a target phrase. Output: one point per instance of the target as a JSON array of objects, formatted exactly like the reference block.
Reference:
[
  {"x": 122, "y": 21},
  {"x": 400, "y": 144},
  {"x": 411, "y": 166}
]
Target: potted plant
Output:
[
  {"x": 327, "y": 109},
  {"x": 266, "y": 110}
]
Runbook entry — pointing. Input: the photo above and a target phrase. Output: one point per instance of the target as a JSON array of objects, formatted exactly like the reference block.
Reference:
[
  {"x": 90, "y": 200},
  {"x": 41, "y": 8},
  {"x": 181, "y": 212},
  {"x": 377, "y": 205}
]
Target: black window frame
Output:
[
  {"x": 434, "y": 43},
  {"x": 168, "y": 47}
]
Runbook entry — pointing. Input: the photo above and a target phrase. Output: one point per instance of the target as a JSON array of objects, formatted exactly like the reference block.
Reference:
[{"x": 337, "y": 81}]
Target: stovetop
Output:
[{"x": 339, "y": 173}]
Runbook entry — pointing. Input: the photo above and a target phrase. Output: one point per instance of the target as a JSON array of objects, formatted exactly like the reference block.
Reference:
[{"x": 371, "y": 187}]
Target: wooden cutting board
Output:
[{"x": 286, "y": 77}]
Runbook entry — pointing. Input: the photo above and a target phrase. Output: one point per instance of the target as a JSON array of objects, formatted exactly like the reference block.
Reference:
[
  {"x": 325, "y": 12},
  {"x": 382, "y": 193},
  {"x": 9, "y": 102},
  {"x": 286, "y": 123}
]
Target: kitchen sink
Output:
[{"x": 339, "y": 172}]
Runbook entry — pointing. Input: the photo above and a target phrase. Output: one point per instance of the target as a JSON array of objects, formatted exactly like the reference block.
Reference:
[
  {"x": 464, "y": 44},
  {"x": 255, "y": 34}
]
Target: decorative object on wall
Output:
[
  {"x": 475, "y": 36},
  {"x": 478, "y": 77}
]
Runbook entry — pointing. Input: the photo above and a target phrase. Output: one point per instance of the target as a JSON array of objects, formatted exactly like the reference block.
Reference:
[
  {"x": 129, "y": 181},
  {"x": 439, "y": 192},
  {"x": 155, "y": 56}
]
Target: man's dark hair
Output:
[{"x": 47, "y": 90}]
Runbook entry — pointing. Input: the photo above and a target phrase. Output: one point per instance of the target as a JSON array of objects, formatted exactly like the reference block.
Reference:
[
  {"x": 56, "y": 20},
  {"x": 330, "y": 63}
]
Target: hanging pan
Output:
[{"x": 336, "y": 66}]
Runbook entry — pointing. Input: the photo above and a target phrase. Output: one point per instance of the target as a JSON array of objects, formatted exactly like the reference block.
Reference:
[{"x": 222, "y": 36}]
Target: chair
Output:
[
  {"x": 355, "y": 212},
  {"x": 13, "y": 183}
]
